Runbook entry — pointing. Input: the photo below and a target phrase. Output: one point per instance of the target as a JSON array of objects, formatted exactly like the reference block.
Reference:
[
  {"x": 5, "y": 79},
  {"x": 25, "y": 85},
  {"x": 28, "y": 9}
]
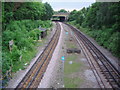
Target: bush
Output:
[
  {"x": 23, "y": 33},
  {"x": 108, "y": 39}
]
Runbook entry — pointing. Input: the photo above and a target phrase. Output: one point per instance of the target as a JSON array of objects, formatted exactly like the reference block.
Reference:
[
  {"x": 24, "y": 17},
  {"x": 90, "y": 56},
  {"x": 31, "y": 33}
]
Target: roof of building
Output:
[{"x": 42, "y": 29}]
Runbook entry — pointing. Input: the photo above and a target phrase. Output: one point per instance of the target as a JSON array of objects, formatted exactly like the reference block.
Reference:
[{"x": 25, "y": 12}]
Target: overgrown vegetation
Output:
[
  {"x": 20, "y": 24},
  {"x": 62, "y": 11},
  {"x": 25, "y": 10},
  {"x": 101, "y": 21}
]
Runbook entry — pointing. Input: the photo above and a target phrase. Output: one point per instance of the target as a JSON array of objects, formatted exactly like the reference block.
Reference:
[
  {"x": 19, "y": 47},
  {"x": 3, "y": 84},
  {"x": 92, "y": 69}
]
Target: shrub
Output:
[{"x": 23, "y": 33}]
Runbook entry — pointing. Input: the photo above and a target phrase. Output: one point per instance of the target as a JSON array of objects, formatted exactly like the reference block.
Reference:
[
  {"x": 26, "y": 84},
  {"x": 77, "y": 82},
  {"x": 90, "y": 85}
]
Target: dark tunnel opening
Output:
[
  {"x": 62, "y": 19},
  {"x": 59, "y": 18}
]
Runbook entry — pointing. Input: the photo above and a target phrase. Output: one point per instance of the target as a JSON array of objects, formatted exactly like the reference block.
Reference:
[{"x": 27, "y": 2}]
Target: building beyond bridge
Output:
[{"x": 60, "y": 17}]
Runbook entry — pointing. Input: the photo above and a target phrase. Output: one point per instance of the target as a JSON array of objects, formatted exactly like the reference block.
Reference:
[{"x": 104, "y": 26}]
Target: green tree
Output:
[
  {"x": 31, "y": 10},
  {"x": 20, "y": 22},
  {"x": 48, "y": 10},
  {"x": 102, "y": 20},
  {"x": 72, "y": 15},
  {"x": 62, "y": 10}
]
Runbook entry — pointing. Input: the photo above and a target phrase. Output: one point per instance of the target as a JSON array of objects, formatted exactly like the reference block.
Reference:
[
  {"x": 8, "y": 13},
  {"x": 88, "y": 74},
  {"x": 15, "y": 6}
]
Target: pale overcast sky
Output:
[{"x": 69, "y": 5}]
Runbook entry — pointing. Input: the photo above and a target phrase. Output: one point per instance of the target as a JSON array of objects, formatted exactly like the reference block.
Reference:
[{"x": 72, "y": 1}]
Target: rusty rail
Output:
[
  {"x": 36, "y": 72},
  {"x": 111, "y": 74}
]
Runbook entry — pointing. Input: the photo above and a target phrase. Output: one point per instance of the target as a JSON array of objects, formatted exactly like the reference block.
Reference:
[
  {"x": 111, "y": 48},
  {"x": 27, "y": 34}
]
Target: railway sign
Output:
[
  {"x": 66, "y": 33},
  {"x": 62, "y": 58}
]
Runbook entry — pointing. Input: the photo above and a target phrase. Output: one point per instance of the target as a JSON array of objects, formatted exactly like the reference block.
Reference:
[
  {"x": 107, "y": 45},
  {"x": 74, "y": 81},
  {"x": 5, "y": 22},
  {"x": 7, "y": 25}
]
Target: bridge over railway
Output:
[{"x": 60, "y": 17}]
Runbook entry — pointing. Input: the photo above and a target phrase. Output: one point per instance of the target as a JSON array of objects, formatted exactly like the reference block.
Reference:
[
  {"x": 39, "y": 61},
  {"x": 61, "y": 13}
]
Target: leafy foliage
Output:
[
  {"x": 25, "y": 10},
  {"x": 23, "y": 33},
  {"x": 62, "y": 10},
  {"x": 49, "y": 11},
  {"x": 102, "y": 19},
  {"x": 31, "y": 10},
  {"x": 20, "y": 22}
]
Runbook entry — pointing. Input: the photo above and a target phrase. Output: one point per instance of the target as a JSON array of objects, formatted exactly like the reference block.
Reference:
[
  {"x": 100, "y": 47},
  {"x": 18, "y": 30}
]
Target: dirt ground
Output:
[
  {"x": 65, "y": 75},
  {"x": 78, "y": 74},
  {"x": 73, "y": 72}
]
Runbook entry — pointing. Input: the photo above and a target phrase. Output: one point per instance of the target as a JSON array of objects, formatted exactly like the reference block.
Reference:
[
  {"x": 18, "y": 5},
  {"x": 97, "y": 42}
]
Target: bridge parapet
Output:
[{"x": 62, "y": 16}]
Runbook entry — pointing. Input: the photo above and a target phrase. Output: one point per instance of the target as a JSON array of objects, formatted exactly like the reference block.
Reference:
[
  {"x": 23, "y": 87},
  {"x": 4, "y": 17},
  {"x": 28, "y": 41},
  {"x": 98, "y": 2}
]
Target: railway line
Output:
[
  {"x": 111, "y": 74},
  {"x": 35, "y": 74},
  {"x": 96, "y": 59}
]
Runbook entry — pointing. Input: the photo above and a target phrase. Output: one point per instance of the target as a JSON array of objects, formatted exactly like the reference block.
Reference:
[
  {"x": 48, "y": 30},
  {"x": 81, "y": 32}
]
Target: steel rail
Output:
[
  {"x": 109, "y": 68},
  {"x": 43, "y": 60},
  {"x": 89, "y": 59},
  {"x": 38, "y": 77}
]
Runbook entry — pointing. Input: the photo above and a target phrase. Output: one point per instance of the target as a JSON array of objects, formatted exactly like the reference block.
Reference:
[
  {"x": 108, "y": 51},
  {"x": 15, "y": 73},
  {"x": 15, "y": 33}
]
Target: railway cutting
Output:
[{"x": 35, "y": 74}]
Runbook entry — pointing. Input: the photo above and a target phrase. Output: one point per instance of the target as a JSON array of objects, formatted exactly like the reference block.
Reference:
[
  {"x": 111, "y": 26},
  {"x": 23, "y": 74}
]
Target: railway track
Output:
[
  {"x": 111, "y": 74},
  {"x": 35, "y": 74}
]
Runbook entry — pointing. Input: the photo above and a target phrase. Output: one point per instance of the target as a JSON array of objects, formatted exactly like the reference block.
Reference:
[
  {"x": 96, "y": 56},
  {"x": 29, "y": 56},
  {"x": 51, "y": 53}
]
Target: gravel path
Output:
[
  {"x": 85, "y": 74},
  {"x": 51, "y": 77},
  {"x": 54, "y": 75}
]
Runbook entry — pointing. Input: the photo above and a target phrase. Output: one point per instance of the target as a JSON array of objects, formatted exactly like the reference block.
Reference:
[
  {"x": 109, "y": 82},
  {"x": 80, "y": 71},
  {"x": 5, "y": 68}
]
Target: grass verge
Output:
[
  {"x": 72, "y": 82},
  {"x": 69, "y": 69}
]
